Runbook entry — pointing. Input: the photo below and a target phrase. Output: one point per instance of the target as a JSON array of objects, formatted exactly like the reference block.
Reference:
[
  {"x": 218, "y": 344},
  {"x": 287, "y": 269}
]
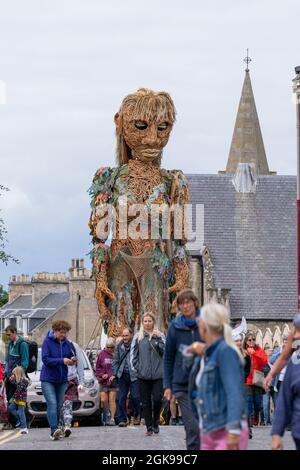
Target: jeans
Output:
[
  {"x": 54, "y": 395},
  {"x": 254, "y": 400},
  {"x": 151, "y": 393},
  {"x": 125, "y": 385},
  {"x": 267, "y": 402},
  {"x": 266, "y": 407},
  {"x": 18, "y": 411},
  {"x": 190, "y": 421}
]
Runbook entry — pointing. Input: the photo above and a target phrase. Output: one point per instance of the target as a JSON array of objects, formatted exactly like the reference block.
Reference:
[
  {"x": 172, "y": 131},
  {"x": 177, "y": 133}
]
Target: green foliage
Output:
[
  {"x": 3, "y": 296},
  {"x": 4, "y": 257}
]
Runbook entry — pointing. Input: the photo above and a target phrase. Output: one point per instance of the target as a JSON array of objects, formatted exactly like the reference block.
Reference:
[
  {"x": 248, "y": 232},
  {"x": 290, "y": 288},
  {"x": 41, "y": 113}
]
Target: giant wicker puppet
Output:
[{"x": 135, "y": 271}]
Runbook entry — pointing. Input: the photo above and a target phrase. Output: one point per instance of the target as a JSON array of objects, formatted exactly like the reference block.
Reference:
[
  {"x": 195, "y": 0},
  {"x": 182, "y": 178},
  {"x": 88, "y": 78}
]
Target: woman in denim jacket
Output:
[{"x": 221, "y": 398}]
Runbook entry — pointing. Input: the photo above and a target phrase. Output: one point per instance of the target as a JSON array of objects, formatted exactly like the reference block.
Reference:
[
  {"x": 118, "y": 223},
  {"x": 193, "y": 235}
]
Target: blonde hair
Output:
[
  {"x": 110, "y": 342},
  {"x": 19, "y": 374},
  {"x": 216, "y": 316},
  {"x": 141, "y": 333}
]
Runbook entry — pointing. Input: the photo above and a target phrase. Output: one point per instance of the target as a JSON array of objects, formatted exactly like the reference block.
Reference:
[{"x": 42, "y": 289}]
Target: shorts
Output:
[{"x": 107, "y": 388}]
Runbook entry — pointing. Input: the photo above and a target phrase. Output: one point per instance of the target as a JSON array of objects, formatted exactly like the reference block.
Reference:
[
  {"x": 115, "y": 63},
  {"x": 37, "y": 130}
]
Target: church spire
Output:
[{"x": 247, "y": 144}]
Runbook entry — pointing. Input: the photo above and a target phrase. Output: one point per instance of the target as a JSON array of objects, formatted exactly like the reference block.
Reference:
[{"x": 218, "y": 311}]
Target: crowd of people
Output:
[{"x": 218, "y": 384}]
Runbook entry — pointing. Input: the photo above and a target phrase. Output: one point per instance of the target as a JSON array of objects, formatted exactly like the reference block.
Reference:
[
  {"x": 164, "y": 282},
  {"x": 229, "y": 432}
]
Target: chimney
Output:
[
  {"x": 47, "y": 283},
  {"x": 19, "y": 285}
]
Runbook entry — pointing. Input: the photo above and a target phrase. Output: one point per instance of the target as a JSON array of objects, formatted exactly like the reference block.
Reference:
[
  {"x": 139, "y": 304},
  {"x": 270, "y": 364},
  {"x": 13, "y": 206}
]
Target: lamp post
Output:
[
  {"x": 296, "y": 90},
  {"x": 77, "y": 316}
]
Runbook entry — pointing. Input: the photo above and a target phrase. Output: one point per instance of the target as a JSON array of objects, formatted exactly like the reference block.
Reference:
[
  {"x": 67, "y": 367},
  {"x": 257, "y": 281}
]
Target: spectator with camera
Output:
[{"x": 255, "y": 379}]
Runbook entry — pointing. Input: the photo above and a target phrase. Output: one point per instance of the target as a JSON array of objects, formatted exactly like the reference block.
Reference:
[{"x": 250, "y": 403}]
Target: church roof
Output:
[
  {"x": 247, "y": 144},
  {"x": 252, "y": 241}
]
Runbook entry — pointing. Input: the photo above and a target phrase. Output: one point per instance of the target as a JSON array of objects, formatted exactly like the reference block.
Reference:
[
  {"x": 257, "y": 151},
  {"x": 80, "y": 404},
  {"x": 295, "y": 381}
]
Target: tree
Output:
[
  {"x": 4, "y": 257},
  {"x": 3, "y": 296}
]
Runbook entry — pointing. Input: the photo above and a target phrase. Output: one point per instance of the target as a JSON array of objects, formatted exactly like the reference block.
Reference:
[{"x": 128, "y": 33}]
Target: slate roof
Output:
[
  {"x": 22, "y": 301},
  {"x": 53, "y": 300},
  {"x": 252, "y": 241},
  {"x": 41, "y": 313},
  {"x": 42, "y": 310}
]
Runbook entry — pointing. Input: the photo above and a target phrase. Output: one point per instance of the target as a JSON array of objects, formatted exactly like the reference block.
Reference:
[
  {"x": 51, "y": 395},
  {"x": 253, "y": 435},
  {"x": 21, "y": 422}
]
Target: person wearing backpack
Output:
[{"x": 17, "y": 355}]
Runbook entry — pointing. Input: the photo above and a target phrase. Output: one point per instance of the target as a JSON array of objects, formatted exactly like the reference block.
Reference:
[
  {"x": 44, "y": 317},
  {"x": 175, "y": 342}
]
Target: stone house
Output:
[{"x": 34, "y": 303}]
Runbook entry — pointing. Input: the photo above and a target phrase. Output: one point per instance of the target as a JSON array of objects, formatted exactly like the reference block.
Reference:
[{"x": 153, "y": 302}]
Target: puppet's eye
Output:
[
  {"x": 141, "y": 125},
  {"x": 163, "y": 126}
]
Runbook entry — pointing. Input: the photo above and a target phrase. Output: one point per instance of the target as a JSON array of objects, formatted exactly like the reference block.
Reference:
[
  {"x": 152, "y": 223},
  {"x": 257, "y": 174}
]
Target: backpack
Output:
[{"x": 33, "y": 355}]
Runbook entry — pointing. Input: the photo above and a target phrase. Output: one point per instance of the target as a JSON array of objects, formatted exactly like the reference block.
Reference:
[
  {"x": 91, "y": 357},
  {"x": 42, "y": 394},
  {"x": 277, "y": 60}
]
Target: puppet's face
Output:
[
  {"x": 144, "y": 123},
  {"x": 146, "y": 139}
]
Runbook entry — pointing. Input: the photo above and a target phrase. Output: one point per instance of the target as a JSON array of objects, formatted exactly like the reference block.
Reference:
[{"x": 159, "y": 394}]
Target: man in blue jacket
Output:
[{"x": 183, "y": 331}]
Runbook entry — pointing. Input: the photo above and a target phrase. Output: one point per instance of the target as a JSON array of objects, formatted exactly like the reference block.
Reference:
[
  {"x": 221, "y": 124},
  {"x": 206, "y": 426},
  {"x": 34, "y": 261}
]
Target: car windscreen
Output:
[{"x": 82, "y": 356}]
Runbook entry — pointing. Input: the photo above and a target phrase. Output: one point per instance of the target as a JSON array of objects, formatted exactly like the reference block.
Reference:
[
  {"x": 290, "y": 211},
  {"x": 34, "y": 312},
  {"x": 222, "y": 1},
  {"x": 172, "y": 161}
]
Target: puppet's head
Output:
[{"x": 143, "y": 126}]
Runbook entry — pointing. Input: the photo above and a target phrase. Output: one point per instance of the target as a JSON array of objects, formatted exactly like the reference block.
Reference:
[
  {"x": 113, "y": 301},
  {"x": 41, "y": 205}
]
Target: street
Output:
[{"x": 114, "y": 438}]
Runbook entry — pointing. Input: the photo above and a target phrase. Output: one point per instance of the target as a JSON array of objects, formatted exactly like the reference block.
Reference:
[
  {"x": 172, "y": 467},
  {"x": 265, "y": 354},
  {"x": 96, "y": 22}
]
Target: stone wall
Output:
[
  {"x": 19, "y": 285},
  {"x": 44, "y": 283}
]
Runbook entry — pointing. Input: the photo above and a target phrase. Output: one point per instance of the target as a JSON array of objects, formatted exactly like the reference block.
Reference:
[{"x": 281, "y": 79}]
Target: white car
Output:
[{"x": 86, "y": 407}]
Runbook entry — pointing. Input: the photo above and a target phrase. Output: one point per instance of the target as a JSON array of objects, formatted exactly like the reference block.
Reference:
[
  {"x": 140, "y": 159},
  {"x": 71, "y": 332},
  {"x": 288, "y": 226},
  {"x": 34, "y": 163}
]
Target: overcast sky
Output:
[{"x": 67, "y": 64}]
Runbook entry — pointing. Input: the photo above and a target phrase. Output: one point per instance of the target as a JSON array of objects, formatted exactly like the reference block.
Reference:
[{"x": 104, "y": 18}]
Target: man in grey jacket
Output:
[{"x": 127, "y": 379}]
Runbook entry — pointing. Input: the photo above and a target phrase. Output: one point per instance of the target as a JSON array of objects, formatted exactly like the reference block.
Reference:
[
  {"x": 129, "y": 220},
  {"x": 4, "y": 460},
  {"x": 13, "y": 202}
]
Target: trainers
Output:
[
  {"x": 173, "y": 422},
  {"x": 24, "y": 431},
  {"x": 110, "y": 422},
  {"x": 7, "y": 427},
  {"x": 56, "y": 435},
  {"x": 156, "y": 429},
  {"x": 149, "y": 432},
  {"x": 122, "y": 424},
  {"x": 67, "y": 432},
  {"x": 136, "y": 421},
  {"x": 180, "y": 421}
]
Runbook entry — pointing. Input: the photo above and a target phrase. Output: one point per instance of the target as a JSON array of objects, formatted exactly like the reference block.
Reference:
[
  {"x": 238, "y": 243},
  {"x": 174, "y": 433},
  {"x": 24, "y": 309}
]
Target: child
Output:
[
  {"x": 3, "y": 406},
  {"x": 17, "y": 402}
]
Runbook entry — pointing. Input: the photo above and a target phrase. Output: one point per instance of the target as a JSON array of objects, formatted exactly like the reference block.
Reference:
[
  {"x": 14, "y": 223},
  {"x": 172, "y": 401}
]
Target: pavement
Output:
[{"x": 115, "y": 438}]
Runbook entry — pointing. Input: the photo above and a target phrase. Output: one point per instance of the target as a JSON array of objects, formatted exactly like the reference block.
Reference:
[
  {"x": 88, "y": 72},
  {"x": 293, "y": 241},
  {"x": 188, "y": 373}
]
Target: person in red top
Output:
[
  {"x": 1, "y": 374},
  {"x": 258, "y": 362}
]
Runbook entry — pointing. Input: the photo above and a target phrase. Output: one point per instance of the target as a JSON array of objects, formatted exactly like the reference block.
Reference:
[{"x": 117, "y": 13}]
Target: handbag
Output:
[{"x": 258, "y": 378}]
